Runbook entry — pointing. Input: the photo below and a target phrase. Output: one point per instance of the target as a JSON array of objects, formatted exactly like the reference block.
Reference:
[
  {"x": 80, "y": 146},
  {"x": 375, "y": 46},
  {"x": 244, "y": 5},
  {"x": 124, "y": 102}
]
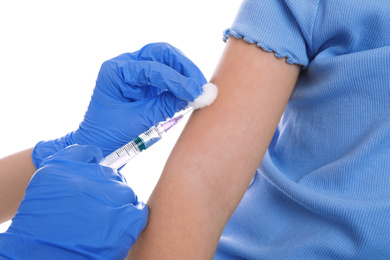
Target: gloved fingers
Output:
[
  {"x": 167, "y": 105},
  {"x": 147, "y": 72},
  {"x": 132, "y": 80},
  {"x": 78, "y": 153},
  {"x": 172, "y": 57},
  {"x": 123, "y": 224},
  {"x": 85, "y": 159},
  {"x": 74, "y": 173},
  {"x": 139, "y": 213},
  {"x": 115, "y": 192},
  {"x": 111, "y": 82},
  {"x": 140, "y": 74},
  {"x": 156, "y": 109}
]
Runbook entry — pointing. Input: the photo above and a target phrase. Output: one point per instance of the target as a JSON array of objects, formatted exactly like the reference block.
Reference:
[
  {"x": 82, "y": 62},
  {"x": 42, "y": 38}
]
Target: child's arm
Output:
[{"x": 218, "y": 153}]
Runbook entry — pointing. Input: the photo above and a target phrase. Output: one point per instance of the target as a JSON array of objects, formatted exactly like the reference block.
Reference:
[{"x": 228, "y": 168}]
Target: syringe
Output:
[{"x": 124, "y": 154}]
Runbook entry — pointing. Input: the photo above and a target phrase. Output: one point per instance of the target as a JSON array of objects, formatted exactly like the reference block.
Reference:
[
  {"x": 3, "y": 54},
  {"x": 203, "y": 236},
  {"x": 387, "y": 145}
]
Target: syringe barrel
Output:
[
  {"x": 150, "y": 137},
  {"x": 124, "y": 154},
  {"x": 121, "y": 156}
]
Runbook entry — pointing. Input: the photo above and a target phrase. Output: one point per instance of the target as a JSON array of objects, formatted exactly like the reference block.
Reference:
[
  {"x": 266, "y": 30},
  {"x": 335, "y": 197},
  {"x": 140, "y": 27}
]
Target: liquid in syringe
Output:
[{"x": 124, "y": 154}]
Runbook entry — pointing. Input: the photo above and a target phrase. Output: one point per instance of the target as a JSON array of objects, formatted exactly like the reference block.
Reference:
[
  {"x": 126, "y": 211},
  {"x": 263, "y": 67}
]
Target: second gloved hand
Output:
[
  {"x": 133, "y": 92},
  {"x": 74, "y": 208}
]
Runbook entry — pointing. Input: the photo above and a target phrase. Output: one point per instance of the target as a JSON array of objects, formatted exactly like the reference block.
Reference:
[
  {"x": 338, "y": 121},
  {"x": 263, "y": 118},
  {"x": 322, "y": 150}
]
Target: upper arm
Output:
[
  {"x": 217, "y": 154},
  {"x": 227, "y": 140}
]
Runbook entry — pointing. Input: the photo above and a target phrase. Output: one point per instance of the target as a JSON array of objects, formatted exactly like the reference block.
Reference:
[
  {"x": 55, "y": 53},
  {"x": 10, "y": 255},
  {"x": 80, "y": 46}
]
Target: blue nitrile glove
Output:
[
  {"x": 74, "y": 208},
  {"x": 133, "y": 92}
]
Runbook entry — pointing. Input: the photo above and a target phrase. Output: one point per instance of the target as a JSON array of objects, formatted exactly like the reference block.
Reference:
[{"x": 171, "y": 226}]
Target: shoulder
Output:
[
  {"x": 341, "y": 27},
  {"x": 282, "y": 26}
]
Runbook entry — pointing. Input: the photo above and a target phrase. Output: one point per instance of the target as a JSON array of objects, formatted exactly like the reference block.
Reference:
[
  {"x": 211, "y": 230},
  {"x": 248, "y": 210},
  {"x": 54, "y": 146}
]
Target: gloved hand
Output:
[
  {"x": 133, "y": 92},
  {"x": 74, "y": 208}
]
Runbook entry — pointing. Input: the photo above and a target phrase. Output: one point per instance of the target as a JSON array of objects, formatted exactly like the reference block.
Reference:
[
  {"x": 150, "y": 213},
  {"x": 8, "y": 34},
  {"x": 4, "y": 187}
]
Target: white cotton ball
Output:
[{"x": 210, "y": 92}]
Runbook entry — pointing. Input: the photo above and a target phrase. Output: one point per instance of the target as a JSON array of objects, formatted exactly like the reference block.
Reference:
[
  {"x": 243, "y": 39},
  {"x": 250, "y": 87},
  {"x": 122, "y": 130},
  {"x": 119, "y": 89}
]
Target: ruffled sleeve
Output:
[{"x": 281, "y": 26}]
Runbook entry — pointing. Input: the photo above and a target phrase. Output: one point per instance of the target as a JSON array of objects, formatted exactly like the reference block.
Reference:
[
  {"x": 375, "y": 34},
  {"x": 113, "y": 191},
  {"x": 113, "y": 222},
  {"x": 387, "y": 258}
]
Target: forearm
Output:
[
  {"x": 15, "y": 173},
  {"x": 216, "y": 156}
]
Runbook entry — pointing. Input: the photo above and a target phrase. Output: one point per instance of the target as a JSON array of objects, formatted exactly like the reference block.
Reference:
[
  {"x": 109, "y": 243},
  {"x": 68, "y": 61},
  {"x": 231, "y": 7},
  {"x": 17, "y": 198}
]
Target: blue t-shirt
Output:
[{"x": 322, "y": 190}]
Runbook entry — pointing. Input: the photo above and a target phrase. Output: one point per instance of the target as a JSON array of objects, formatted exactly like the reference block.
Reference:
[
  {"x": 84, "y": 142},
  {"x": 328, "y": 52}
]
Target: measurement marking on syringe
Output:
[
  {"x": 138, "y": 144},
  {"x": 127, "y": 148}
]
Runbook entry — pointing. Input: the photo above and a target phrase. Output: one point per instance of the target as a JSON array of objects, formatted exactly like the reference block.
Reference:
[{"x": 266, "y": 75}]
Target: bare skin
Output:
[
  {"x": 211, "y": 165},
  {"x": 217, "y": 155},
  {"x": 15, "y": 173}
]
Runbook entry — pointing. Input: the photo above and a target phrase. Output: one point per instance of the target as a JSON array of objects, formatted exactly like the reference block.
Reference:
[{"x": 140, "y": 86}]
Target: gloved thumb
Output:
[
  {"x": 77, "y": 153},
  {"x": 161, "y": 107},
  {"x": 166, "y": 104}
]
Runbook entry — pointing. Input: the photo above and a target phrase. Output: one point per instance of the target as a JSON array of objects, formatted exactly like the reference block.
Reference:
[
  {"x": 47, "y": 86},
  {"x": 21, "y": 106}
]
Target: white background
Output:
[{"x": 51, "y": 52}]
